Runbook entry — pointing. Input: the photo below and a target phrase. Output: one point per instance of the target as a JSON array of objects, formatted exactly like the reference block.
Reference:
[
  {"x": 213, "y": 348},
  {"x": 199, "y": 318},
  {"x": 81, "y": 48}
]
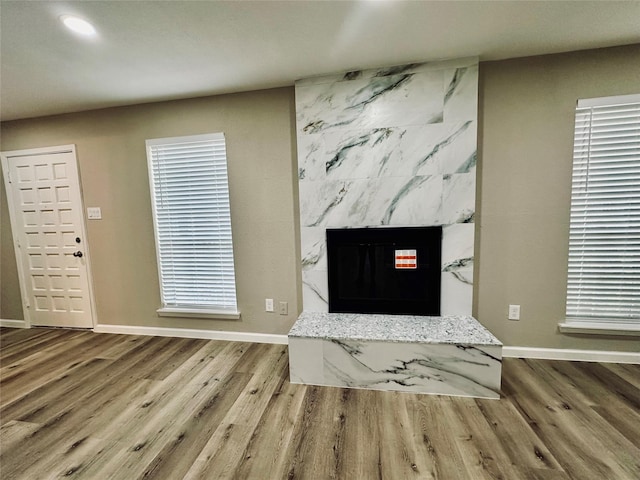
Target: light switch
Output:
[
  {"x": 94, "y": 213},
  {"x": 514, "y": 312},
  {"x": 268, "y": 304}
]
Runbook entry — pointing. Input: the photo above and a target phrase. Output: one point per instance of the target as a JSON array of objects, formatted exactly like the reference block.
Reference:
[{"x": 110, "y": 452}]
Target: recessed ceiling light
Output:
[{"x": 78, "y": 25}]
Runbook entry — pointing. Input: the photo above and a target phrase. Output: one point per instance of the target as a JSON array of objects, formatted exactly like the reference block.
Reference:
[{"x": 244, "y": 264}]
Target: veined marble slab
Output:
[
  {"x": 394, "y": 100},
  {"x": 451, "y": 355},
  {"x": 348, "y": 154},
  {"x": 451, "y": 64}
]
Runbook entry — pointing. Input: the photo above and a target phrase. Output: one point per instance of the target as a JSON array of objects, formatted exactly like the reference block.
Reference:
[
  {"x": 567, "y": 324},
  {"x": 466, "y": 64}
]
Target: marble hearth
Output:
[{"x": 448, "y": 355}]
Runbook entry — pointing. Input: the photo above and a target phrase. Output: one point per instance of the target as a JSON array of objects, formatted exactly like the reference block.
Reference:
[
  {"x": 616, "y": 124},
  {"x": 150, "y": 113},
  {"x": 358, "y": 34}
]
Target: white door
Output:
[{"x": 45, "y": 205}]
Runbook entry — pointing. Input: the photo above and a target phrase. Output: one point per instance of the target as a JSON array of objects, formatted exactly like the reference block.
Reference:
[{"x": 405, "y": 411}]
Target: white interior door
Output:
[{"x": 45, "y": 205}]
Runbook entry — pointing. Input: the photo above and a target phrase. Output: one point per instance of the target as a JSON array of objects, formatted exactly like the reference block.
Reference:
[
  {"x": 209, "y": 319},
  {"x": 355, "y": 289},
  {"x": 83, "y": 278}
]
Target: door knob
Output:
[{"x": 77, "y": 254}]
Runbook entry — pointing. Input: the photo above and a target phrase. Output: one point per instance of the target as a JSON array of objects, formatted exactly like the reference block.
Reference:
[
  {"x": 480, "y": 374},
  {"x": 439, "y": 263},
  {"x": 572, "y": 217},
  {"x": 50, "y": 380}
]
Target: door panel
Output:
[{"x": 46, "y": 217}]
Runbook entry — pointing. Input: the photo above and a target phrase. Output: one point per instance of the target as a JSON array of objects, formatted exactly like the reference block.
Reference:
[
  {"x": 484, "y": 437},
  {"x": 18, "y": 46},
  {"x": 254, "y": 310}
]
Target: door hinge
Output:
[{"x": 9, "y": 176}]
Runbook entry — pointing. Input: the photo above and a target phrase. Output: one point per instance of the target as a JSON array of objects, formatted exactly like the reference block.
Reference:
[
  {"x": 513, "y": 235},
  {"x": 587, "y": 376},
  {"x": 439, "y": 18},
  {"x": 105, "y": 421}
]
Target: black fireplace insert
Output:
[{"x": 385, "y": 270}]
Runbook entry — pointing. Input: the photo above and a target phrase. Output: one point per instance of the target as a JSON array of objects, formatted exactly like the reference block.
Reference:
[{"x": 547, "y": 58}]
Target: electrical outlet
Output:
[
  {"x": 268, "y": 304},
  {"x": 514, "y": 312},
  {"x": 284, "y": 308}
]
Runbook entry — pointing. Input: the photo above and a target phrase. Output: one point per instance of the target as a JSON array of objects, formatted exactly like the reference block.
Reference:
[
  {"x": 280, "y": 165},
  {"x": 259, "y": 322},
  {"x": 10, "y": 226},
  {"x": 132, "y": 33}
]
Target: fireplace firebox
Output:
[{"x": 385, "y": 270}]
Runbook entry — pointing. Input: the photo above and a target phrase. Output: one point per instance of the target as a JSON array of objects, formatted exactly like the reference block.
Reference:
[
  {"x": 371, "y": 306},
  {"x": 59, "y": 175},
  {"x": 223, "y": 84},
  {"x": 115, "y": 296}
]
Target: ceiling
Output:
[{"x": 159, "y": 50}]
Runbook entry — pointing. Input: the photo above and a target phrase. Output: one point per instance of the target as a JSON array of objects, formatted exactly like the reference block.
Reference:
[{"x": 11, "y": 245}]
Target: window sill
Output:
[
  {"x": 600, "y": 328},
  {"x": 199, "y": 313}
]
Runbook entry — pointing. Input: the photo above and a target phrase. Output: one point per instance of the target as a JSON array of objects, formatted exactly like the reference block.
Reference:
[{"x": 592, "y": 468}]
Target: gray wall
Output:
[
  {"x": 113, "y": 166},
  {"x": 525, "y": 138},
  {"x": 525, "y": 141}
]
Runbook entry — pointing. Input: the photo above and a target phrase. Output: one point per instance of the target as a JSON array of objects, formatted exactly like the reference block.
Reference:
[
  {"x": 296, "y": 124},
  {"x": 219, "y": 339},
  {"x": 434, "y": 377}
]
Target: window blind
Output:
[
  {"x": 604, "y": 240},
  {"x": 190, "y": 196}
]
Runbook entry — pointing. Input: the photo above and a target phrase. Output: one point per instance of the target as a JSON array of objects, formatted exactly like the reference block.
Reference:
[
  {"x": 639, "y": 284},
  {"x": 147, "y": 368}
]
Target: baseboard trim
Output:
[
  {"x": 13, "y": 323},
  {"x": 193, "y": 333},
  {"x": 572, "y": 355},
  {"x": 507, "y": 352}
]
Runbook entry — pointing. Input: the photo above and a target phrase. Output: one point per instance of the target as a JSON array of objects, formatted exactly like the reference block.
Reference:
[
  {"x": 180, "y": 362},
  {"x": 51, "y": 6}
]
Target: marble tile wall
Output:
[{"x": 390, "y": 147}]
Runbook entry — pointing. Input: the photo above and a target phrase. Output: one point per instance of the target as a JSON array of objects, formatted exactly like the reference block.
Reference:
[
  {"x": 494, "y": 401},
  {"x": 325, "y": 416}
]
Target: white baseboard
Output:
[
  {"x": 572, "y": 355},
  {"x": 507, "y": 352},
  {"x": 193, "y": 333},
  {"x": 13, "y": 323}
]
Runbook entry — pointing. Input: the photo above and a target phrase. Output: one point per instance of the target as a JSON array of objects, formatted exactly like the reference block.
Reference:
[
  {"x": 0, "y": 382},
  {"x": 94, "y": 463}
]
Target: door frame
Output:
[{"x": 5, "y": 157}]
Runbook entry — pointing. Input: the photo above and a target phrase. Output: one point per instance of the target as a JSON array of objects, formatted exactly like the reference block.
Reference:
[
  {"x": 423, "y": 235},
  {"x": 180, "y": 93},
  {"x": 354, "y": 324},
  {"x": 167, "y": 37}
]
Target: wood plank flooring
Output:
[{"x": 83, "y": 405}]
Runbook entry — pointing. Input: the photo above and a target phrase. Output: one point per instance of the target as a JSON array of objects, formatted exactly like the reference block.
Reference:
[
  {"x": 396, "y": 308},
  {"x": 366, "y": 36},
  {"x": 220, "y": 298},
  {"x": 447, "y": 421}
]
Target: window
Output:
[
  {"x": 603, "y": 288},
  {"x": 190, "y": 198}
]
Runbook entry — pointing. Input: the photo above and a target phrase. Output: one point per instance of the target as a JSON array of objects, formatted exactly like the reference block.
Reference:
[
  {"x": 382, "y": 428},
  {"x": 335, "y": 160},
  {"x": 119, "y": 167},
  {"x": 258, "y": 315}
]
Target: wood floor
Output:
[{"x": 98, "y": 406}]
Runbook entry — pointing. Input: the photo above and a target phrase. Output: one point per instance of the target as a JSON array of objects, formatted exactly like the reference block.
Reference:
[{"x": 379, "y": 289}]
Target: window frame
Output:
[
  {"x": 576, "y": 323},
  {"x": 188, "y": 310}
]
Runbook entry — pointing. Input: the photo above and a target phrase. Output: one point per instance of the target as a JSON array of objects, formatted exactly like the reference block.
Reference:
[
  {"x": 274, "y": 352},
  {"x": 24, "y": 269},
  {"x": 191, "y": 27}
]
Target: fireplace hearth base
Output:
[{"x": 448, "y": 355}]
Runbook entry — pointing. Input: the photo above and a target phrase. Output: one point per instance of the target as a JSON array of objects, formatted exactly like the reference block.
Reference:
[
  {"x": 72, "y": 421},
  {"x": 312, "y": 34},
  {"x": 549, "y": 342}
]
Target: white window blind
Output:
[
  {"x": 604, "y": 245},
  {"x": 190, "y": 197}
]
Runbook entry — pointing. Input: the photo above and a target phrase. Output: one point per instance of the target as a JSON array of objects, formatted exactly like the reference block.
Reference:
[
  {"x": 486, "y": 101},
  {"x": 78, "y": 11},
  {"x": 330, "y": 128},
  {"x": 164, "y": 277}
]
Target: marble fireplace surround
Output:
[{"x": 390, "y": 147}]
